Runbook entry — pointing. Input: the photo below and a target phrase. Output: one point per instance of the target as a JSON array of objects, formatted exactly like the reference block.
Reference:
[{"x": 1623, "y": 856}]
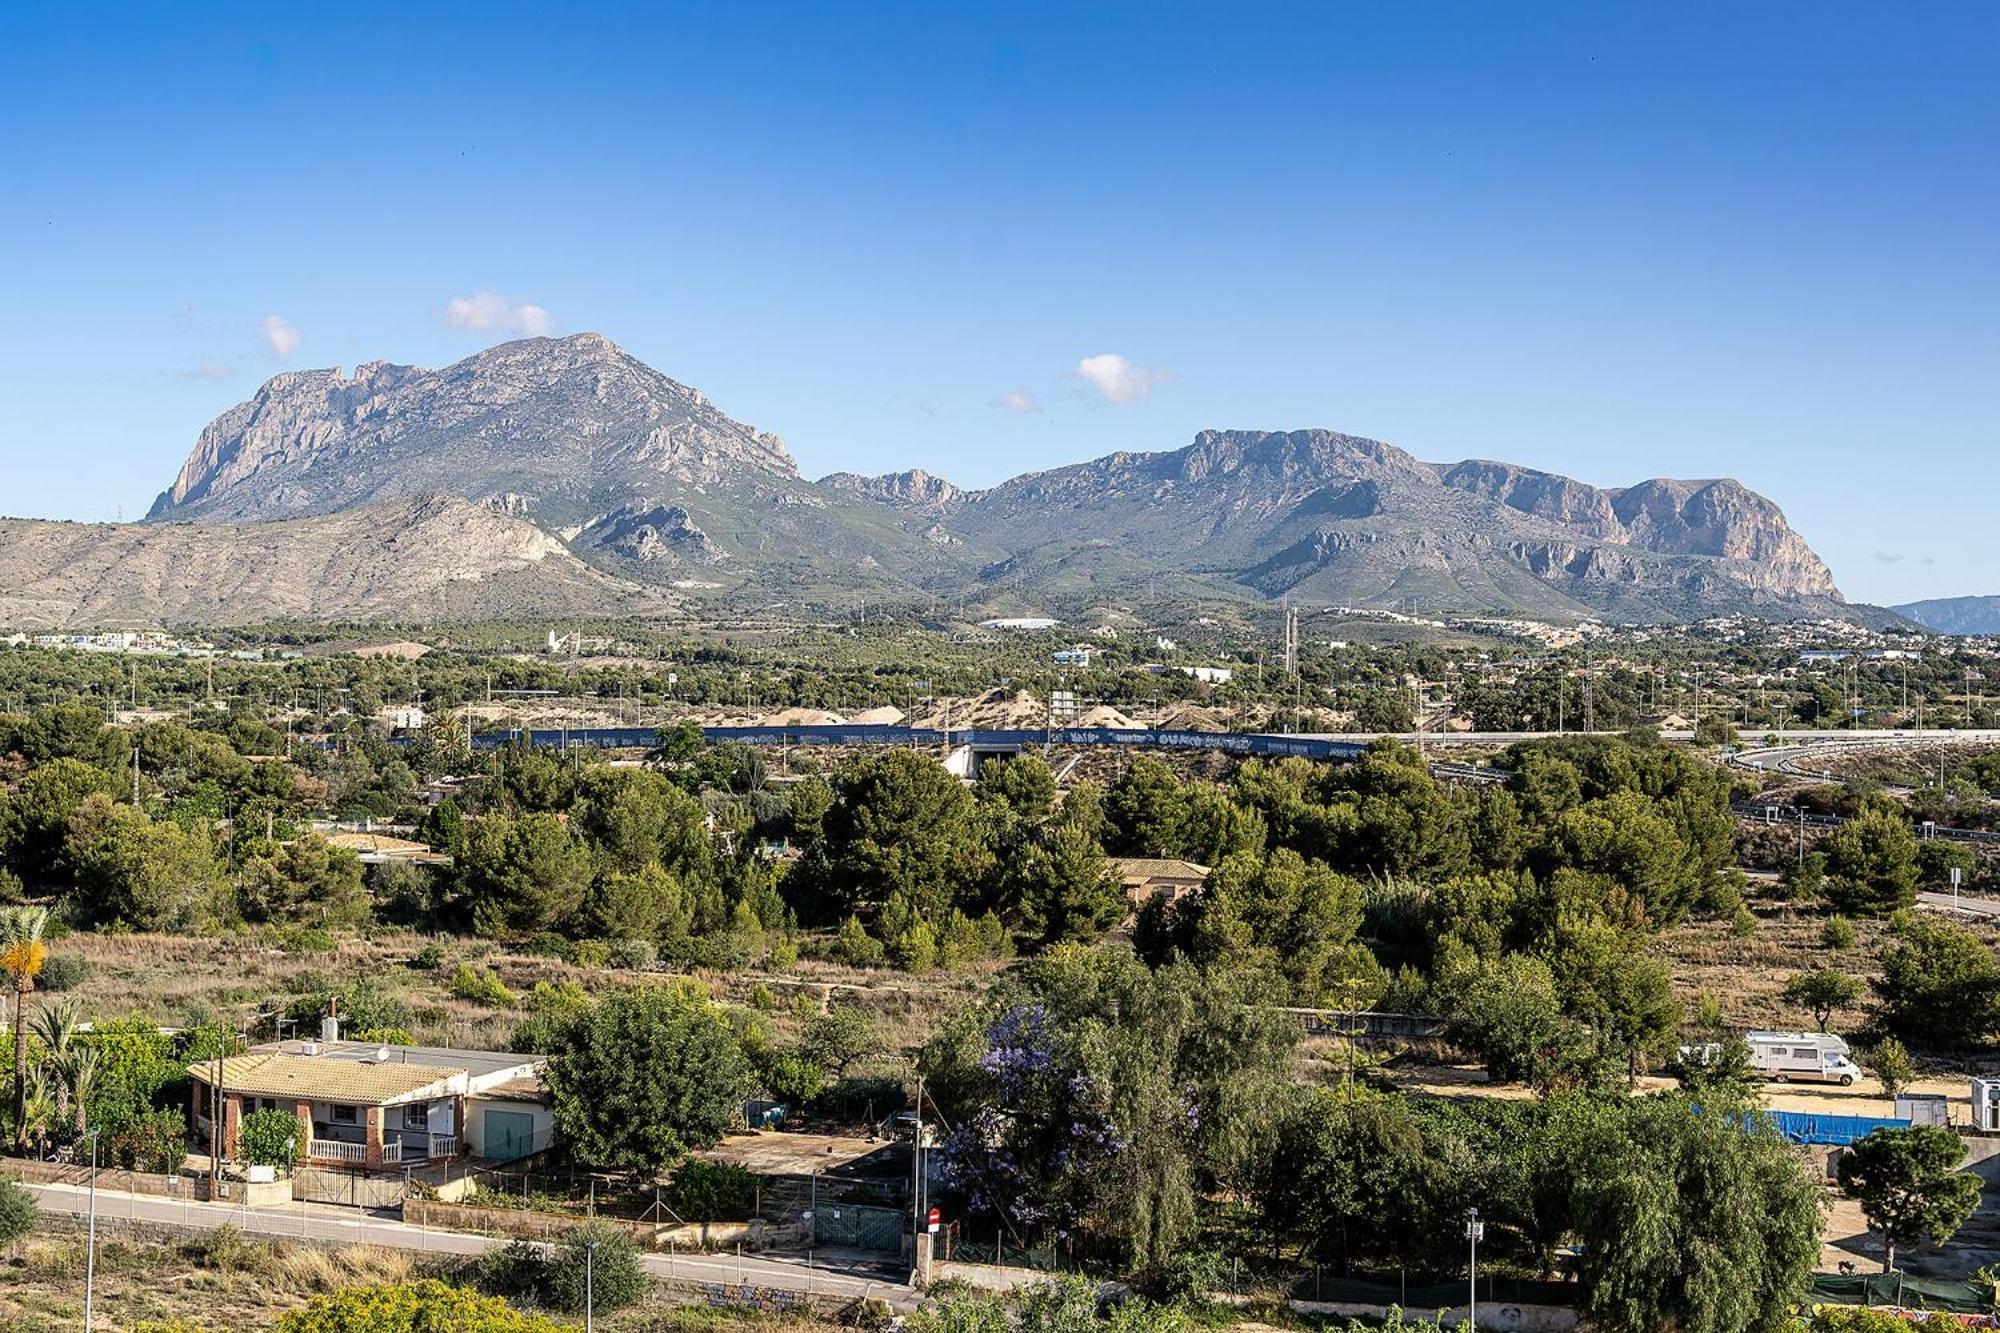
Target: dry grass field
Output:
[
  {"x": 176, "y": 980},
  {"x": 225, "y": 1281}
]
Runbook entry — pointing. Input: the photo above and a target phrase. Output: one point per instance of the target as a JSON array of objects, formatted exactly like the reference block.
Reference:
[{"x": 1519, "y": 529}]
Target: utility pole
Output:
[
  {"x": 90, "y": 1255},
  {"x": 917, "y": 1171},
  {"x": 1475, "y": 1231}
]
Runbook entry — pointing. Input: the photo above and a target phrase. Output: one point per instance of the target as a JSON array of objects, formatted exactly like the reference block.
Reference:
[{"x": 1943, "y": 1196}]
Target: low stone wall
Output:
[
  {"x": 531, "y": 1224},
  {"x": 755, "y": 1234},
  {"x": 125, "y": 1182},
  {"x": 186, "y": 1185},
  {"x": 1509, "y": 1317}
]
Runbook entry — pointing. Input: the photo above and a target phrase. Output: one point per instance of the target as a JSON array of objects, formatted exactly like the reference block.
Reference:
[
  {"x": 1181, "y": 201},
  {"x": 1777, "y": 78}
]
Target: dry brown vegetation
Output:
[
  {"x": 224, "y": 1280},
  {"x": 174, "y": 979}
]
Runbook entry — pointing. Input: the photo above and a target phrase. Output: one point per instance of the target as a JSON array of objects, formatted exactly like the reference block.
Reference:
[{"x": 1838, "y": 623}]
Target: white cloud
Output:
[
  {"x": 209, "y": 370},
  {"x": 281, "y": 339},
  {"x": 487, "y": 311},
  {"x": 1118, "y": 380},
  {"x": 1018, "y": 400}
]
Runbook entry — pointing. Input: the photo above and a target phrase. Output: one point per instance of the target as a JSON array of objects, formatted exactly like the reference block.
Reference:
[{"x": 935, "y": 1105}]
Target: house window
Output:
[
  {"x": 417, "y": 1115},
  {"x": 345, "y": 1115}
]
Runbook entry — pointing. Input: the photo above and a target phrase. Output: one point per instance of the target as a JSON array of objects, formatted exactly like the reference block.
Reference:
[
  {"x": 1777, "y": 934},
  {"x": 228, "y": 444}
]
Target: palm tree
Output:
[
  {"x": 55, "y": 1027},
  {"x": 22, "y": 954},
  {"x": 80, "y": 1073},
  {"x": 38, "y": 1111}
]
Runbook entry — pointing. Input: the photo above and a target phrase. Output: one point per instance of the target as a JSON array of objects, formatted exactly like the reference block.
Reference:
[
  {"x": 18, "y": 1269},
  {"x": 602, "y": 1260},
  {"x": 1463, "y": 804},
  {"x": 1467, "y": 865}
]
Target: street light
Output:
[
  {"x": 1475, "y": 1231},
  {"x": 90, "y": 1254}
]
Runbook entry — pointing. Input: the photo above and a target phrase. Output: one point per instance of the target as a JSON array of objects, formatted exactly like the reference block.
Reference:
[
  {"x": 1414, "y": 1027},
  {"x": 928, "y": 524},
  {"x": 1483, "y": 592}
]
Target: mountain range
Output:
[
  {"x": 555, "y": 475},
  {"x": 1955, "y": 615}
]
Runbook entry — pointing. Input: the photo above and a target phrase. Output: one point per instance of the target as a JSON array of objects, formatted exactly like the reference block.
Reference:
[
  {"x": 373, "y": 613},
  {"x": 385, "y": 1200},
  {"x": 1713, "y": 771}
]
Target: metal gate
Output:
[
  {"x": 347, "y": 1187},
  {"x": 858, "y": 1227}
]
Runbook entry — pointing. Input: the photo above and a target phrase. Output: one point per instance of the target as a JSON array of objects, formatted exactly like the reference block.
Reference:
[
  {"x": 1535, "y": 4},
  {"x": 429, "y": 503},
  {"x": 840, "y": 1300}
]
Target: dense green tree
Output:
[
  {"x": 141, "y": 873},
  {"x": 1510, "y": 1012},
  {"x": 1343, "y": 1176},
  {"x": 305, "y": 880},
  {"x": 1871, "y": 863},
  {"x": 270, "y": 1138},
  {"x": 1067, "y": 891},
  {"x": 1025, "y": 784},
  {"x": 647, "y": 904},
  {"x": 1096, "y": 1101},
  {"x": 1940, "y": 984},
  {"x": 1909, "y": 1185},
  {"x": 34, "y": 821},
  {"x": 1694, "y": 1223},
  {"x": 1283, "y": 915},
  {"x": 520, "y": 876},
  {"x": 901, "y": 826},
  {"x": 1147, "y": 809},
  {"x": 634, "y": 818},
  {"x": 594, "y": 1261},
  {"x": 645, "y": 1077}
]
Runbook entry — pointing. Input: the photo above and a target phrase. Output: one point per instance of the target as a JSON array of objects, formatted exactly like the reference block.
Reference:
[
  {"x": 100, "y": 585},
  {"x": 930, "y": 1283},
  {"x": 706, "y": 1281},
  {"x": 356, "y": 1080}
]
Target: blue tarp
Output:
[{"x": 1841, "y": 1130}]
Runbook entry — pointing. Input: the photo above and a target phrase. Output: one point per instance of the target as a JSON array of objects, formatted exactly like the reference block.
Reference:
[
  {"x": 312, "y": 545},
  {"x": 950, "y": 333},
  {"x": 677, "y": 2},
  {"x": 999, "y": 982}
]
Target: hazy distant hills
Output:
[
  {"x": 433, "y": 558},
  {"x": 638, "y": 481},
  {"x": 1955, "y": 615}
]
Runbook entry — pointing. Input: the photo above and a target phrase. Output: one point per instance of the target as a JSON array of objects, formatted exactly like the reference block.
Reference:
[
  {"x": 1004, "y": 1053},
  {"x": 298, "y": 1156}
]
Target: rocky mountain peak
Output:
[
  {"x": 557, "y": 422},
  {"x": 915, "y": 489}
]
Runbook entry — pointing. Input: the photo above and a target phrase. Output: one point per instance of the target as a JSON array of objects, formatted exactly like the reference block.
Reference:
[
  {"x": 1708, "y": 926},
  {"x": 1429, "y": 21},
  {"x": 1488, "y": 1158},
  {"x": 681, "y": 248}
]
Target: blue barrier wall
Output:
[{"x": 1231, "y": 742}]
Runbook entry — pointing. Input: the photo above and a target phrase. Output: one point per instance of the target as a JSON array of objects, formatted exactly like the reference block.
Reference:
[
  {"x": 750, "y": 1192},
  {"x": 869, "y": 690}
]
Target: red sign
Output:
[{"x": 932, "y": 1218}]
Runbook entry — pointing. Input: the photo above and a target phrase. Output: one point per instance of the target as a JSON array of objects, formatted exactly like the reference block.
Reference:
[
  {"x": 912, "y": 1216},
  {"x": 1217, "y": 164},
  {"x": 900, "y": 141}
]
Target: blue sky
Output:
[{"x": 1617, "y": 241}]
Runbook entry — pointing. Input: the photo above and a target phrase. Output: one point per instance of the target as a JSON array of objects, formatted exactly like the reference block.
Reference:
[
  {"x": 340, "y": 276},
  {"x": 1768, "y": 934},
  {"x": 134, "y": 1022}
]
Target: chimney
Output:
[{"x": 329, "y": 1027}]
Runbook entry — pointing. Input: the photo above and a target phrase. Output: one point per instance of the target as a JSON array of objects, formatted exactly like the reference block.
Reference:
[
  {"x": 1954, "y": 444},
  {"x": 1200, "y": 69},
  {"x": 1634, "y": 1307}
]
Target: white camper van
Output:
[{"x": 1805, "y": 1057}]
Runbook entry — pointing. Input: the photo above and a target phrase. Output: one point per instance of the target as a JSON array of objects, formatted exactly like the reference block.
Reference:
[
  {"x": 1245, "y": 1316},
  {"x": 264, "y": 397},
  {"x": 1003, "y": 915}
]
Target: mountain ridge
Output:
[
  {"x": 1975, "y": 615},
  {"x": 644, "y": 478}
]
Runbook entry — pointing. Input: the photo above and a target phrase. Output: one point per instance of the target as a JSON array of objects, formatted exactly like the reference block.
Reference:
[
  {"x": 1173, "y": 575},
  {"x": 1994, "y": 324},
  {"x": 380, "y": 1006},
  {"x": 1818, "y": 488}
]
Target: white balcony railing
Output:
[{"x": 333, "y": 1150}]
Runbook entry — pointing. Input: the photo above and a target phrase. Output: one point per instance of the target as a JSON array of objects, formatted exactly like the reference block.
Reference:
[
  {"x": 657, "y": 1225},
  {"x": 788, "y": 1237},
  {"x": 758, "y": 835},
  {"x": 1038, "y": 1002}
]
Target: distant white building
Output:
[{"x": 1021, "y": 622}]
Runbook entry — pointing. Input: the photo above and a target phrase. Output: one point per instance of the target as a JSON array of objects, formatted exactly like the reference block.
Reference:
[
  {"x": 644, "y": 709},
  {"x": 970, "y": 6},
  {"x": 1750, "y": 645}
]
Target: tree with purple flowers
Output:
[{"x": 1092, "y": 1102}]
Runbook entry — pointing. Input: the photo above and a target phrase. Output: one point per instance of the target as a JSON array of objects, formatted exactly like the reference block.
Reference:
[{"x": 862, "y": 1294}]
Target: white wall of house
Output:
[{"x": 542, "y": 1122}]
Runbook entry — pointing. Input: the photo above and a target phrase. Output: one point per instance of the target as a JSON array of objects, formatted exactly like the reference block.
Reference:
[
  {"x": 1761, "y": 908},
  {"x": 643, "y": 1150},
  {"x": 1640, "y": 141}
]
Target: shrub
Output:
[
  {"x": 384, "y": 1036},
  {"x": 855, "y": 946},
  {"x": 635, "y": 955},
  {"x": 591, "y": 953},
  {"x": 155, "y": 1141},
  {"x": 270, "y": 1138},
  {"x": 479, "y": 986},
  {"x": 704, "y": 1191},
  {"x": 549, "y": 945},
  {"x": 1837, "y": 933},
  {"x": 763, "y": 998},
  {"x": 429, "y": 958},
  {"x": 410, "y": 1308},
  {"x": 17, "y": 1212},
  {"x": 615, "y": 1279},
  {"x": 514, "y": 1270},
  {"x": 64, "y": 971}
]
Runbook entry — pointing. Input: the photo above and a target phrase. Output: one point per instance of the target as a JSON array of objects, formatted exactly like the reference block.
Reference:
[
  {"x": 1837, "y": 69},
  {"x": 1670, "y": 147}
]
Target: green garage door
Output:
[{"x": 509, "y": 1134}]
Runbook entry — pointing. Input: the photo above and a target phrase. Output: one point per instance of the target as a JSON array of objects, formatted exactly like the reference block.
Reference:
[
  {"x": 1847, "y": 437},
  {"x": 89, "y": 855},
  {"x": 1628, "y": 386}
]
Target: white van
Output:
[{"x": 1805, "y": 1057}]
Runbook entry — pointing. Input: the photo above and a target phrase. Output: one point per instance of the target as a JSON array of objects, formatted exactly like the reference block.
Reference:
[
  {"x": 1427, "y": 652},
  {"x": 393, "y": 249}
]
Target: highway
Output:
[{"x": 858, "y": 1274}]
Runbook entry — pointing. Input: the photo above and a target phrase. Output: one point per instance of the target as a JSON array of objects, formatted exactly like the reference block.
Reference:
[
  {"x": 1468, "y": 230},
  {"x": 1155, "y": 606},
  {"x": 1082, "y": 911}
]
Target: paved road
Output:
[
  {"x": 857, "y": 1275},
  {"x": 1986, "y": 908}
]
